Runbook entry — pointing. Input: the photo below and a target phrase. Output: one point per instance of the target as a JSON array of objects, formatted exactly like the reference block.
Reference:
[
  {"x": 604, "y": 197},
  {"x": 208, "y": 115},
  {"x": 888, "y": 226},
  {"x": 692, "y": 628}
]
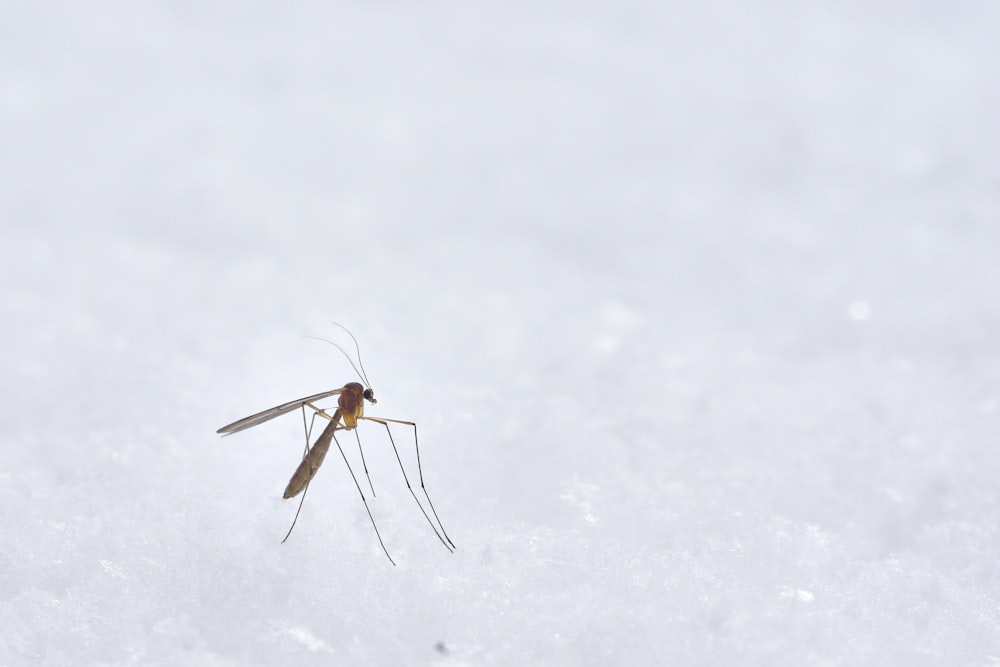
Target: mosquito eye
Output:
[{"x": 369, "y": 395}]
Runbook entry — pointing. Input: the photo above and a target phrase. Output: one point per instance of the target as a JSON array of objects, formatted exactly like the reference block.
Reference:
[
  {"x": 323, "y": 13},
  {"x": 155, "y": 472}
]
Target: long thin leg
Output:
[
  {"x": 350, "y": 470},
  {"x": 363, "y": 464},
  {"x": 416, "y": 442},
  {"x": 308, "y": 430},
  {"x": 304, "y": 492},
  {"x": 308, "y": 434},
  {"x": 319, "y": 412},
  {"x": 410, "y": 488}
]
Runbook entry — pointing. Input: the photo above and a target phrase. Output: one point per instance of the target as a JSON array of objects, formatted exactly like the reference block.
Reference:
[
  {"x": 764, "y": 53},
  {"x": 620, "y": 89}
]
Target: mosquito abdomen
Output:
[{"x": 312, "y": 461}]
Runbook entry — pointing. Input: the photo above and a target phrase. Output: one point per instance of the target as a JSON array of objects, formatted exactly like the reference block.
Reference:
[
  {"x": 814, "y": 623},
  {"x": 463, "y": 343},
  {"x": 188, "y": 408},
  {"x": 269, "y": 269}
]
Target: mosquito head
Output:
[{"x": 370, "y": 396}]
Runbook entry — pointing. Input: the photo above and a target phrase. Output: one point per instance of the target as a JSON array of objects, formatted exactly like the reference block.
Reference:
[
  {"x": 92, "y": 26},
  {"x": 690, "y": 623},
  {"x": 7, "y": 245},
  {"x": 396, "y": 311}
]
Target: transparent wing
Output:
[{"x": 277, "y": 411}]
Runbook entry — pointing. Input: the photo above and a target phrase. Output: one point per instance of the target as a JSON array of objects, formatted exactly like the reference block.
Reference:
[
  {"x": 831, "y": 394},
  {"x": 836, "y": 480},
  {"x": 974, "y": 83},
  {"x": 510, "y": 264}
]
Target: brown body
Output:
[
  {"x": 351, "y": 404},
  {"x": 350, "y": 408}
]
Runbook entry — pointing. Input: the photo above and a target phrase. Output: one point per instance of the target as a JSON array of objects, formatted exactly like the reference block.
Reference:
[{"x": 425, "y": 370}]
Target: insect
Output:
[{"x": 350, "y": 410}]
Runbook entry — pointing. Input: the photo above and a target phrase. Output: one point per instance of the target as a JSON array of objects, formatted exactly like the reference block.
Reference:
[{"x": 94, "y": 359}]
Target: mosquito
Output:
[{"x": 350, "y": 410}]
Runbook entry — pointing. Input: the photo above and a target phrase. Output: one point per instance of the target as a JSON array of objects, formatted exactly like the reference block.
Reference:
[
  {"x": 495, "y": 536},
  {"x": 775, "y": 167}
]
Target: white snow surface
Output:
[{"x": 697, "y": 306}]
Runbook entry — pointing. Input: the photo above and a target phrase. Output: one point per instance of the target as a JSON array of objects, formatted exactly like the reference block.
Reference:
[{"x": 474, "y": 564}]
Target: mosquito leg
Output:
[
  {"x": 304, "y": 491},
  {"x": 410, "y": 489},
  {"x": 320, "y": 412},
  {"x": 308, "y": 430},
  {"x": 420, "y": 471},
  {"x": 381, "y": 420},
  {"x": 363, "y": 464},
  {"x": 308, "y": 433},
  {"x": 368, "y": 509},
  {"x": 311, "y": 461}
]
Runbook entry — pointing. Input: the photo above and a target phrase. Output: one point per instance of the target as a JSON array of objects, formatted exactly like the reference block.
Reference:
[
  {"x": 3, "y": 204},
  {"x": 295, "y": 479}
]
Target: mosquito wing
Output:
[{"x": 277, "y": 411}]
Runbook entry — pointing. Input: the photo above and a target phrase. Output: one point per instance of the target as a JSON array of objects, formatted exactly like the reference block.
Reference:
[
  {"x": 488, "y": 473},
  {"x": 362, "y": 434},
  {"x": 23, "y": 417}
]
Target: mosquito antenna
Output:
[
  {"x": 357, "y": 348},
  {"x": 343, "y": 352}
]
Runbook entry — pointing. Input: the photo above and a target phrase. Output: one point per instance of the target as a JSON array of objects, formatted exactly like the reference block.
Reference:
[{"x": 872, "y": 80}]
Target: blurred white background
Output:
[{"x": 695, "y": 305}]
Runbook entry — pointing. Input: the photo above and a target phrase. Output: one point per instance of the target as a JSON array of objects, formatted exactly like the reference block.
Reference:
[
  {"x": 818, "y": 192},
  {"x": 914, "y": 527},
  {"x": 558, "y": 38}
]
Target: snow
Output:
[{"x": 695, "y": 306}]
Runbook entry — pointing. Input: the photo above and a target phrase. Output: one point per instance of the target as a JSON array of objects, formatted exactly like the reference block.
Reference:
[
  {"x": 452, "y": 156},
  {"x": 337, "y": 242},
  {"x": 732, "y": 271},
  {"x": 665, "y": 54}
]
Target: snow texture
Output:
[{"x": 696, "y": 305}]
